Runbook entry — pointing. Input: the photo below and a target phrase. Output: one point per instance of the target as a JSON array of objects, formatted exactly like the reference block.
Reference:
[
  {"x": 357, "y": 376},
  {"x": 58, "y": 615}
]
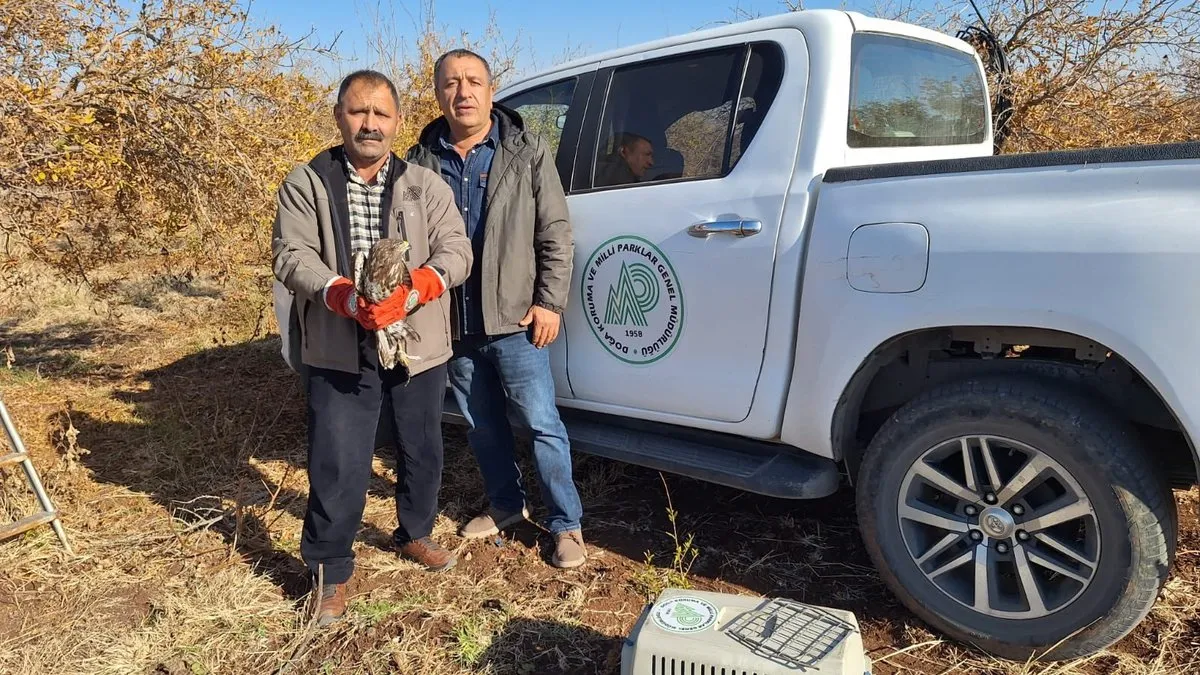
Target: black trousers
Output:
[{"x": 343, "y": 414}]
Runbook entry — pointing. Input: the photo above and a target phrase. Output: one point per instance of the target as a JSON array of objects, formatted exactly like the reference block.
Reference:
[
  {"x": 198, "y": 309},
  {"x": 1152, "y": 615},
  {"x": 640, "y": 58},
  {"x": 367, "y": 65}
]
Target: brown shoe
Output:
[
  {"x": 332, "y": 605},
  {"x": 569, "y": 550},
  {"x": 427, "y": 552}
]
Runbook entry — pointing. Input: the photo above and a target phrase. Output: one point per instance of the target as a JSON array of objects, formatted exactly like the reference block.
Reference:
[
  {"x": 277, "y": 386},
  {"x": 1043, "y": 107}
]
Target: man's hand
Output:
[
  {"x": 395, "y": 307},
  {"x": 545, "y": 325},
  {"x": 342, "y": 300},
  {"x": 428, "y": 284}
]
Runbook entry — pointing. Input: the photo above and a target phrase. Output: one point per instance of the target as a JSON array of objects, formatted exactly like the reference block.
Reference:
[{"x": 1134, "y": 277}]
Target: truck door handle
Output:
[{"x": 736, "y": 228}]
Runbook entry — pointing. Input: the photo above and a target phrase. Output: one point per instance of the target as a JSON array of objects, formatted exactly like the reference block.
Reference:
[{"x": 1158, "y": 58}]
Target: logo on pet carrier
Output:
[{"x": 684, "y": 615}]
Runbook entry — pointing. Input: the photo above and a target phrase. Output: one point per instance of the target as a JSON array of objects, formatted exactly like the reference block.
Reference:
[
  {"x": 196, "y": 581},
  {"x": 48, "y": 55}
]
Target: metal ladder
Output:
[{"x": 47, "y": 514}]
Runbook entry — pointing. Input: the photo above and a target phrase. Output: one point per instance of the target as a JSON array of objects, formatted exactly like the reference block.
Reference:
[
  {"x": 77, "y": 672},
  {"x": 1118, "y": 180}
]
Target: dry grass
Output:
[{"x": 172, "y": 437}]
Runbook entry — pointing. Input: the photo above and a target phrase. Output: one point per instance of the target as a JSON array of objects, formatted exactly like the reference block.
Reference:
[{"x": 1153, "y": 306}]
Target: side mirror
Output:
[{"x": 561, "y": 121}]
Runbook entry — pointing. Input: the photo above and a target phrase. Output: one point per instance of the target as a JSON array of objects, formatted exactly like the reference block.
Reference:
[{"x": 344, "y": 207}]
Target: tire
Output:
[{"x": 1131, "y": 522}]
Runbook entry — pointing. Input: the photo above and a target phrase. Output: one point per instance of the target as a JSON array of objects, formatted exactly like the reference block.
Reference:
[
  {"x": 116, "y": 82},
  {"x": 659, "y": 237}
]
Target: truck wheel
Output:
[{"x": 1018, "y": 516}]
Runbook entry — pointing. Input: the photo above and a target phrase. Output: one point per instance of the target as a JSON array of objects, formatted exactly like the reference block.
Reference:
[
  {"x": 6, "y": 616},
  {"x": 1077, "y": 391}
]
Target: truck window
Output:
[
  {"x": 906, "y": 92},
  {"x": 544, "y": 111},
  {"x": 674, "y": 118}
]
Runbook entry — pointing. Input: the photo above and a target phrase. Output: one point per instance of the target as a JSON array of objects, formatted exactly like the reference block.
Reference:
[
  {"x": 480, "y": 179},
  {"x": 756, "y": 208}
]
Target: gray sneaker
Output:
[{"x": 491, "y": 522}]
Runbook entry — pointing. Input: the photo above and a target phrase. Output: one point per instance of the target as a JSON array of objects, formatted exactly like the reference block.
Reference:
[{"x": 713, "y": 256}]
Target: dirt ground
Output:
[{"x": 171, "y": 436}]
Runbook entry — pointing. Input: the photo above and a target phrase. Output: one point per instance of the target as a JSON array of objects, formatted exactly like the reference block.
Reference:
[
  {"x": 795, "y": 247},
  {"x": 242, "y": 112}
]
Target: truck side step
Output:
[{"x": 762, "y": 468}]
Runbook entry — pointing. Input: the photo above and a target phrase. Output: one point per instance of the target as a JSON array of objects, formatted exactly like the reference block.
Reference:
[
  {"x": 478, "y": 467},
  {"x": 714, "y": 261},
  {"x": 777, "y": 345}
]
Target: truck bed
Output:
[
  {"x": 1100, "y": 244},
  {"x": 1029, "y": 160}
]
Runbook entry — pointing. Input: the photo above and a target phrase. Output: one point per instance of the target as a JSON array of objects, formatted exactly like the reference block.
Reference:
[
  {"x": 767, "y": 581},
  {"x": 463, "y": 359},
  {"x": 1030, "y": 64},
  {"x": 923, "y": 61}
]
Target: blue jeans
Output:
[{"x": 487, "y": 375}]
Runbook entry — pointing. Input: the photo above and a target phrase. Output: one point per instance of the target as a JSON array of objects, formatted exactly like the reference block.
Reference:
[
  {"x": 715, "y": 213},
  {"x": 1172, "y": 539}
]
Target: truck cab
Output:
[{"x": 690, "y": 262}]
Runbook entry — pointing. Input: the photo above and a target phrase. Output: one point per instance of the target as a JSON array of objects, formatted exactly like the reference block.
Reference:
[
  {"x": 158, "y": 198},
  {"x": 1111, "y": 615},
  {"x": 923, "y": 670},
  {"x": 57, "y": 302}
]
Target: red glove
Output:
[
  {"x": 427, "y": 283},
  {"x": 342, "y": 299},
  {"x": 392, "y": 309}
]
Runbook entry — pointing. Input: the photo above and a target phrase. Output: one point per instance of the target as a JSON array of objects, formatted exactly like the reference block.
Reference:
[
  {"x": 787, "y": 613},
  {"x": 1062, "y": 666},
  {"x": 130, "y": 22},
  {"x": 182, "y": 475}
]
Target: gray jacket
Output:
[
  {"x": 310, "y": 245},
  {"x": 528, "y": 249}
]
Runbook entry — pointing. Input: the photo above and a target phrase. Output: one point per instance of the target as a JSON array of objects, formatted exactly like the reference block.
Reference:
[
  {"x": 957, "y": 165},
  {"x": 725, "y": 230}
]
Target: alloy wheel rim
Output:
[{"x": 999, "y": 526}]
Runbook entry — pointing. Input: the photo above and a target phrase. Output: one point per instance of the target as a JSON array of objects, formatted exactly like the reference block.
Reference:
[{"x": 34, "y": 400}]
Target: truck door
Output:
[{"x": 678, "y": 188}]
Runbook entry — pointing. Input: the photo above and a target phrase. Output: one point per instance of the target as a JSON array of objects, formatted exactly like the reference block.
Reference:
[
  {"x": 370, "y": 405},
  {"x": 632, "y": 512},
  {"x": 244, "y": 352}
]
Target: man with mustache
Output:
[
  {"x": 507, "y": 188},
  {"x": 339, "y": 204}
]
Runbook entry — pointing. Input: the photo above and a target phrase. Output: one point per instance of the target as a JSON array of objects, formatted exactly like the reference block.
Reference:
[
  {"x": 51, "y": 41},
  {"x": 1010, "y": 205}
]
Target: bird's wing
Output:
[{"x": 360, "y": 262}]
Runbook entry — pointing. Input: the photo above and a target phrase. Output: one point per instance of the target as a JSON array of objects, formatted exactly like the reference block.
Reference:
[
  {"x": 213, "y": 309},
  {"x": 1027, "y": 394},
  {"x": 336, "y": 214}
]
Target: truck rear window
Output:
[{"x": 906, "y": 92}]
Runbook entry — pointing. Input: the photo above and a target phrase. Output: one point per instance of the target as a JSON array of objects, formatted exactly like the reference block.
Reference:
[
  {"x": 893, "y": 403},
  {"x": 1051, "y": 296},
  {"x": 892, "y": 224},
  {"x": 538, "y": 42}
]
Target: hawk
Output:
[{"x": 377, "y": 275}]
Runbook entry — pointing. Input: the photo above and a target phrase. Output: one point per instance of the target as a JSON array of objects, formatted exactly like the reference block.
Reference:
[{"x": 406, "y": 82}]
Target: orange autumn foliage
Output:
[{"x": 161, "y": 129}]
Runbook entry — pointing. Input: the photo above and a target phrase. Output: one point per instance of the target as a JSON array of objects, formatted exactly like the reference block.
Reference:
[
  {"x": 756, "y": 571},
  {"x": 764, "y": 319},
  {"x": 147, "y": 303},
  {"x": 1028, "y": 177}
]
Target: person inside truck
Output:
[{"x": 632, "y": 158}]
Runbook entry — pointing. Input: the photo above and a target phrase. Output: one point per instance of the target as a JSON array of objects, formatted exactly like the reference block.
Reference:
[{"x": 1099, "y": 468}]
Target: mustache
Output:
[{"x": 368, "y": 136}]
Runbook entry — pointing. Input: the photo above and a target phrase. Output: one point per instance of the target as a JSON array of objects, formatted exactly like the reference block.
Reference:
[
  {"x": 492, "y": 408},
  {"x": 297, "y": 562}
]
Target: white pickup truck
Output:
[{"x": 796, "y": 253}]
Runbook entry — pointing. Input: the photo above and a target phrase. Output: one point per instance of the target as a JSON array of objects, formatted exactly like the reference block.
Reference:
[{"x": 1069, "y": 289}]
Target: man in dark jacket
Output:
[
  {"x": 338, "y": 205},
  {"x": 510, "y": 197},
  {"x": 632, "y": 157}
]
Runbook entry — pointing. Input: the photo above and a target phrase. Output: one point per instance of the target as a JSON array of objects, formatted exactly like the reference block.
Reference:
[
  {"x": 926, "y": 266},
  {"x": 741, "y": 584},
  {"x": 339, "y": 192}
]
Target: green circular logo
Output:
[
  {"x": 684, "y": 615},
  {"x": 632, "y": 299}
]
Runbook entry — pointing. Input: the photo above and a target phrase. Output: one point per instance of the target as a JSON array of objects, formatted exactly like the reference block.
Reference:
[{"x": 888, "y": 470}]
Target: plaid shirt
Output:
[{"x": 365, "y": 202}]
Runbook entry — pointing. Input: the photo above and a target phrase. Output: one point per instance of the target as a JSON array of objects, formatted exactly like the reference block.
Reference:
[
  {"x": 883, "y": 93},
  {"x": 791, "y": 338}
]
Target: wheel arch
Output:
[{"x": 905, "y": 365}]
